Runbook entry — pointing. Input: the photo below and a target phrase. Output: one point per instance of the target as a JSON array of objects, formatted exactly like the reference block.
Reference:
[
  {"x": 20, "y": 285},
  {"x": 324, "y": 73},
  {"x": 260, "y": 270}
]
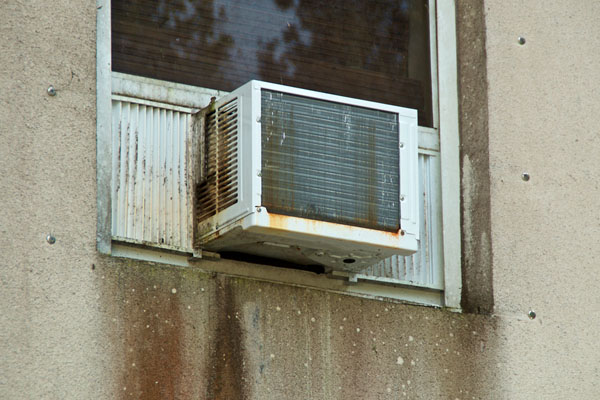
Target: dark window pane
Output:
[{"x": 374, "y": 50}]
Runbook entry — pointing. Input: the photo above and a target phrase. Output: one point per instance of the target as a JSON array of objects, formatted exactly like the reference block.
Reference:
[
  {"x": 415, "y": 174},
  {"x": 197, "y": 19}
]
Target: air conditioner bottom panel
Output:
[{"x": 309, "y": 242}]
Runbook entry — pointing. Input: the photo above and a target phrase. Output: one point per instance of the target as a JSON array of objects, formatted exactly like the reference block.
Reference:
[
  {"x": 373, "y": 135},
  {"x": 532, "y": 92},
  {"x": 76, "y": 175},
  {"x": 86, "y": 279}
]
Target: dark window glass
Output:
[{"x": 375, "y": 50}]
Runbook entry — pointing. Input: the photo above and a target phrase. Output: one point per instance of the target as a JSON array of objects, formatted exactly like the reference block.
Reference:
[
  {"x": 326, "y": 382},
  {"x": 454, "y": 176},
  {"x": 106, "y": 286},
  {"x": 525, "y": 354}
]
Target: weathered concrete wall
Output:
[
  {"x": 477, "y": 293},
  {"x": 185, "y": 333},
  {"x": 52, "y": 334},
  {"x": 75, "y": 324},
  {"x": 543, "y": 120}
]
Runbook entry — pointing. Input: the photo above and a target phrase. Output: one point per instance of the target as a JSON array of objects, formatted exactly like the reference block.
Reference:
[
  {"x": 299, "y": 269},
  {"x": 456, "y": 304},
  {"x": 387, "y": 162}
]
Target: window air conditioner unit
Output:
[{"x": 306, "y": 177}]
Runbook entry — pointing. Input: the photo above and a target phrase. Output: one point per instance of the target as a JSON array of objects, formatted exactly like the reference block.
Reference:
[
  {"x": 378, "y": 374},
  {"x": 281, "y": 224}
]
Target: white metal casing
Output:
[{"x": 248, "y": 227}]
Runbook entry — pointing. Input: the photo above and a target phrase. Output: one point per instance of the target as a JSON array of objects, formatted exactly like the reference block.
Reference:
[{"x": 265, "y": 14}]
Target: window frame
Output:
[{"x": 445, "y": 121}]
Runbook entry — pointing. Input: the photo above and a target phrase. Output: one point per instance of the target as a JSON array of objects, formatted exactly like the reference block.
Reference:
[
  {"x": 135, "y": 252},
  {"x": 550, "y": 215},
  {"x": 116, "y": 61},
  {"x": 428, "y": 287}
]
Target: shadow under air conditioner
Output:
[{"x": 250, "y": 258}]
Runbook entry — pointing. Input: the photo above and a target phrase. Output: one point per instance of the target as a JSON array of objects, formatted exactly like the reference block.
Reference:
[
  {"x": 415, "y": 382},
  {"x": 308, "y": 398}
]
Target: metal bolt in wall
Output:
[
  {"x": 525, "y": 176},
  {"x": 521, "y": 40},
  {"x": 51, "y": 91},
  {"x": 531, "y": 314},
  {"x": 50, "y": 239}
]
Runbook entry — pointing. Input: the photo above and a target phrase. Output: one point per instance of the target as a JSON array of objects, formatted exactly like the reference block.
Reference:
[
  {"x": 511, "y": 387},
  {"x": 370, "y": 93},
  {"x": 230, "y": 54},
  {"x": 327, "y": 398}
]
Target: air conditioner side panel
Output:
[
  {"x": 409, "y": 174},
  {"x": 244, "y": 167}
]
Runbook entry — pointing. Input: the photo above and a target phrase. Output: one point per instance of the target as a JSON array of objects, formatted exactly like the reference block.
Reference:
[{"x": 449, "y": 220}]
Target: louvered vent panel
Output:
[
  {"x": 423, "y": 267},
  {"x": 150, "y": 203},
  {"x": 207, "y": 197},
  {"x": 218, "y": 189},
  {"x": 329, "y": 161}
]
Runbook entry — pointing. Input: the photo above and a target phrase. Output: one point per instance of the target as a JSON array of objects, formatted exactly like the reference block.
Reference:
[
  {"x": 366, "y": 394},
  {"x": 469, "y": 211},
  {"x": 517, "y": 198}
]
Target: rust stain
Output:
[
  {"x": 136, "y": 135},
  {"x": 119, "y": 154},
  {"x": 152, "y": 340},
  {"x": 127, "y": 139},
  {"x": 284, "y": 222},
  {"x": 164, "y": 352},
  {"x": 225, "y": 375}
]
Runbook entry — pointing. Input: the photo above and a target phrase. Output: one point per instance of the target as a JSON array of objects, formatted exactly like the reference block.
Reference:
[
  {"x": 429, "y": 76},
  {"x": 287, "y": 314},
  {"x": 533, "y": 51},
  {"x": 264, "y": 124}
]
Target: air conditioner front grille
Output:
[
  {"x": 330, "y": 161},
  {"x": 218, "y": 189}
]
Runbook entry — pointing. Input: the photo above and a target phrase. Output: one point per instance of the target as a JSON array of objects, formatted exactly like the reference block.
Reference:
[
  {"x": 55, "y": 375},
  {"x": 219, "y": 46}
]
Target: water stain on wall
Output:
[
  {"x": 180, "y": 331},
  {"x": 152, "y": 335},
  {"x": 225, "y": 378}
]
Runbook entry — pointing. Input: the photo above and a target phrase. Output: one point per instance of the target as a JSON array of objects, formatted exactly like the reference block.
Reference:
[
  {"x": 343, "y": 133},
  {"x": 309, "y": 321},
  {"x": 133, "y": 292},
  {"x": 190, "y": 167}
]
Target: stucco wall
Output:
[
  {"x": 543, "y": 120},
  {"x": 76, "y": 324}
]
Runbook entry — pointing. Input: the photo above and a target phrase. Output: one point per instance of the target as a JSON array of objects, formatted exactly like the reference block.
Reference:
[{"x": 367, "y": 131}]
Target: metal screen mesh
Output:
[{"x": 330, "y": 161}]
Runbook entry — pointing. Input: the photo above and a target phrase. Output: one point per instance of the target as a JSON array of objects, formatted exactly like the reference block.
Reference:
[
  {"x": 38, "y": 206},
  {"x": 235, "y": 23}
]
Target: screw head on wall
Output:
[
  {"x": 531, "y": 314},
  {"x": 50, "y": 239},
  {"x": 521, "y": 40},
  {"x": 525, "y": 176},
  {"x": 51, "y": 91}
]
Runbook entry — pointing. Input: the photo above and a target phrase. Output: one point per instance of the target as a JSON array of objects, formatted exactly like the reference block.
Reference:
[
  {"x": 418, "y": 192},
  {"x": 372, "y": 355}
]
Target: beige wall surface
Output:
[
  {"x": 76, "y": 324},
  {"x": 543, "y": 120}
]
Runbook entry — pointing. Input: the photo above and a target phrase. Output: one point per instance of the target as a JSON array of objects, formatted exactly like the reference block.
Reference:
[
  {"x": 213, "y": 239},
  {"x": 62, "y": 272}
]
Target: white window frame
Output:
[{"x": 445, "y": 117}]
